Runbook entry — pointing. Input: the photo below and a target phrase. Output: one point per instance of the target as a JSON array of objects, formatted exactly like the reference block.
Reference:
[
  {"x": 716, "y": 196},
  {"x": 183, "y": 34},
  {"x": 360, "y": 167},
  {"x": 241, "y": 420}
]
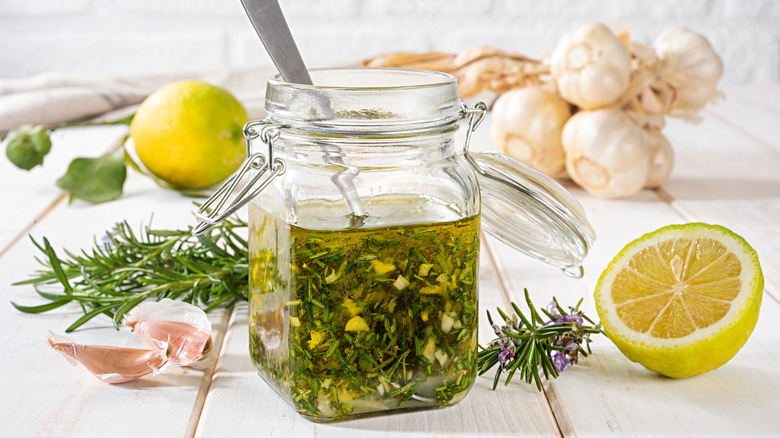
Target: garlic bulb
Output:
[
  {"x": 606, "y": 153},
  {"x": 527, "y": 124},
  {"x": 591, "y": 66},
  {"x": 691, "y": 66},
  {"x": 661, "y": 157}
]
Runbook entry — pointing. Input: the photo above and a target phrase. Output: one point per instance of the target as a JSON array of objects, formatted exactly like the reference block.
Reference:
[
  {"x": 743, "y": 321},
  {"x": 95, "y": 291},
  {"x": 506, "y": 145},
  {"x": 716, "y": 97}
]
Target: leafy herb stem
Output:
[
  {"x": 124, "y": 269},
  {"x": 533, "y": 342}
]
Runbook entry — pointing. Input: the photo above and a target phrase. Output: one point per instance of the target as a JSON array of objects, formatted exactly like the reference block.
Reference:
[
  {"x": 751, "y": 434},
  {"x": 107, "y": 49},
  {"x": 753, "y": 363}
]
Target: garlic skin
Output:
[
  {"x": 112, "y": 364},
  {"x": 591, "y": 66},
  {"x": 606, "y": 153},
  {"x": 181, "y": 324},
  {"x": 691, "y": 66},
  {"x": 527, "y": 124},
  {"x": 661, "y": 157}
]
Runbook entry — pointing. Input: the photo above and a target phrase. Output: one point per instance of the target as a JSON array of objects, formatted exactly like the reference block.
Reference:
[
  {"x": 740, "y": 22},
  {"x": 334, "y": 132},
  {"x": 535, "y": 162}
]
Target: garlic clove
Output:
[
  {"x": 111, "y": 364},
  {"x": 606, "y": 153},
  {"x": 591, "y": 66},
  {"x": 661, "y": 157},
  {"x": 188, "y": 343},
  {"x": 527, "y": 124},
  {"x": 169, "y": 310},
  {"x": 184, "y": 326}
]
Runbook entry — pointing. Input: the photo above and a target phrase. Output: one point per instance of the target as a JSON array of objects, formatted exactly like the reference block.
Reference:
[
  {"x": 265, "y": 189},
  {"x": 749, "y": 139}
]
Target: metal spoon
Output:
[{"x": 269, "y": 23}]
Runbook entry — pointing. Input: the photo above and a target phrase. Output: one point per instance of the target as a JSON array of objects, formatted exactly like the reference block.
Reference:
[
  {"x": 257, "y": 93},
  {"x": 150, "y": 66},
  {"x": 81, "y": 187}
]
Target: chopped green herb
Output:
[{"x": 377, "y": 327}]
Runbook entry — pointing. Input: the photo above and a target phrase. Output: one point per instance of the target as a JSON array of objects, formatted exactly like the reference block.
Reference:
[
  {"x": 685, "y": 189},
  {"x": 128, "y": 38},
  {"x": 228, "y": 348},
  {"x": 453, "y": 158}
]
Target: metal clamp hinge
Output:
[
  {"x": 476, "y": 115},
  {"x": 256, "y": 165}
]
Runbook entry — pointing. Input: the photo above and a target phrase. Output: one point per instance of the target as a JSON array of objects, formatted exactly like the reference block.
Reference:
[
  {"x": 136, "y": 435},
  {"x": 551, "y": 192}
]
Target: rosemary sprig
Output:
[
  {"x": 125, "y": 269},
  {"x": 530, "y": 343}
]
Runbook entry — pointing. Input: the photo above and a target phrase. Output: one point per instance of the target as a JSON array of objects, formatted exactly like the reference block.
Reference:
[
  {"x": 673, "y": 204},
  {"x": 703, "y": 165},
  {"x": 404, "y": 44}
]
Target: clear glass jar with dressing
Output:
[{"x": 364, "y": 239}]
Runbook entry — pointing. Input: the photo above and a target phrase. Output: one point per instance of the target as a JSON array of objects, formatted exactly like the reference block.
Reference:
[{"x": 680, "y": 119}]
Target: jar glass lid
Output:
[{"x": 531, "y": 212}]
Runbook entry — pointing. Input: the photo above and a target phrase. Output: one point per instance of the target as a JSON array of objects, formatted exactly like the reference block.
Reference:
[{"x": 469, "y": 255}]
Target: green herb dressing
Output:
[{"x": 360, "y": 320}]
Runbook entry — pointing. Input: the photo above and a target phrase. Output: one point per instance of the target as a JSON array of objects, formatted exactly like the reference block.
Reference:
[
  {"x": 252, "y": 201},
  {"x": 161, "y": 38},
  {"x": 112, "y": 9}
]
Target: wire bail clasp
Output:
[
  {"x": 476, "y": 115},
  {"x": 256, "y": 164}
]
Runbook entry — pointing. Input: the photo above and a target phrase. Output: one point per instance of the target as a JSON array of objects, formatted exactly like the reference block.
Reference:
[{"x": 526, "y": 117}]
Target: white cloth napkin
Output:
[{"x": 52, "y": 98}]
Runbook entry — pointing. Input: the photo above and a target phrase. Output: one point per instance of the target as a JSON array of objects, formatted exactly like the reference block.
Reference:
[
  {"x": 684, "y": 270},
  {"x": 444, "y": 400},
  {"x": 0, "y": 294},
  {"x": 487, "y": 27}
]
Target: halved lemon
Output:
[{"x": 683, "y": 299}]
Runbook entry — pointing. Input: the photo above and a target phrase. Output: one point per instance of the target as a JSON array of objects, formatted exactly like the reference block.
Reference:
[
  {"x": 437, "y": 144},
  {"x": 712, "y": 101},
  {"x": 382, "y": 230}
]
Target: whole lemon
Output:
[{"x": 190, "y": 134}]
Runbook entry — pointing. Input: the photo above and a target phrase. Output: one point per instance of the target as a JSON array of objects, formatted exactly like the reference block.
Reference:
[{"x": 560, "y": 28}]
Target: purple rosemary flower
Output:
[
  {"x": 560, "y": 361},
  {"x": 506, "y": 355},
  {"x": 575, "y": 318},
  {"x": 552, "y": 307},
  {"x": 107, "y": 240}
]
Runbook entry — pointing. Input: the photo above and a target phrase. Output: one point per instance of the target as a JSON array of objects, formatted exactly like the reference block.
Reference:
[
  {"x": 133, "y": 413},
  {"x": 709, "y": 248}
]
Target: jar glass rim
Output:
[
  {"x": 366, "y": 99},
  {"x": 323, "y": 74}
]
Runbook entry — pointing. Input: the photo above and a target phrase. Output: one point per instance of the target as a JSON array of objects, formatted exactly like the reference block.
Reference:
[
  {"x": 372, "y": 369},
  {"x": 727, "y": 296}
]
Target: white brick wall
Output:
[{"x": 114, "y": 37}]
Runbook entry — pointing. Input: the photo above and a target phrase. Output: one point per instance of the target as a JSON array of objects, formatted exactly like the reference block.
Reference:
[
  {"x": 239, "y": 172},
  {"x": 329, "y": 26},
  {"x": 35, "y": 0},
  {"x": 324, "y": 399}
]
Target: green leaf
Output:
[
  {"x": 26, "y": 146},
  {"x": 95, "y": 180}
]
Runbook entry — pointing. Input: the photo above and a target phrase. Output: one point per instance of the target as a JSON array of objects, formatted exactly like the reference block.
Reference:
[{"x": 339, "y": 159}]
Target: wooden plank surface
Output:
[
  {"x": 754, "y": 110},
  {"x": 725, "y": 173}
]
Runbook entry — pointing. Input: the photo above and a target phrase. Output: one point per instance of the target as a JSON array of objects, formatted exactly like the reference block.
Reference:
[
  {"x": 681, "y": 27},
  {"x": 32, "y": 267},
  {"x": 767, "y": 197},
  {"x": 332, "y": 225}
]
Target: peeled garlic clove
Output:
[
  {"x": 527, "y": 124},
  {"x": 188, "y": 343},
  {"x": 591, "y": 66},
  {"x": 111, "y": 364},
  {"x": 661, "y": 157},
  {"x": 606, "y": 153},
  {"x": 184, "y": 326},
  {"x": 691, "y": 66}
]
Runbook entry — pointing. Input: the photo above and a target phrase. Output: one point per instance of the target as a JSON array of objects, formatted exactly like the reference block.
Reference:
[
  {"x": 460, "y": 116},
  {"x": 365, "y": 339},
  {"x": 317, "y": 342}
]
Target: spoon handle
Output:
[{"x": 269, "y": 23}]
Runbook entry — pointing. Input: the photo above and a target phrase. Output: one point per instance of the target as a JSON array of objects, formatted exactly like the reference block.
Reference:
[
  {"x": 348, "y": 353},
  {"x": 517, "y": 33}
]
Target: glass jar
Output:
[{"x": 364, "y": 236}]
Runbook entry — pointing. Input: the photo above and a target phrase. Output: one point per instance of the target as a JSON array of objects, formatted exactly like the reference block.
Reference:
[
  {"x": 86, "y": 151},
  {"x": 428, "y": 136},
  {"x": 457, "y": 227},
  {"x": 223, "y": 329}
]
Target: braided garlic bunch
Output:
[{"x": 594, "y": 109}]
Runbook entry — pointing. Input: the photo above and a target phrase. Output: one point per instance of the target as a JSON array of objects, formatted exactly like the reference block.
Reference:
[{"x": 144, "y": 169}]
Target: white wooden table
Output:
[{"x": 727, "y": 172}]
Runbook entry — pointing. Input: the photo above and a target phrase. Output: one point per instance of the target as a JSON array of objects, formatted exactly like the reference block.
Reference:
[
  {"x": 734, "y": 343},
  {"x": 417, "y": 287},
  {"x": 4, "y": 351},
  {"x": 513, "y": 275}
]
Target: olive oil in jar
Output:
[{"x": 361, "y": 320}]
